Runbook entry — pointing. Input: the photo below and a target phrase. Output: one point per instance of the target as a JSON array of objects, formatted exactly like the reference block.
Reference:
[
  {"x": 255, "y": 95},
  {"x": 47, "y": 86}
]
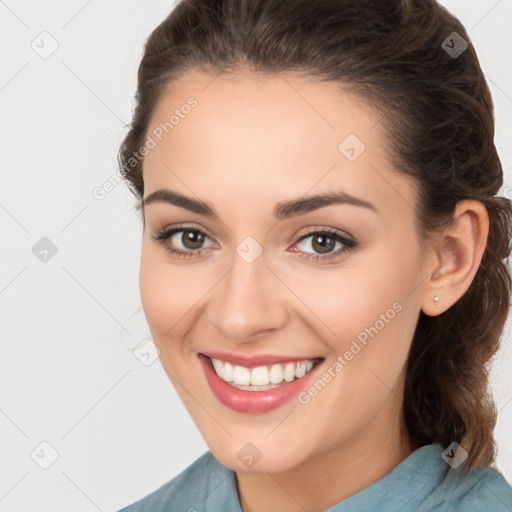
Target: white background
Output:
[{"x": 68, "y": 375}]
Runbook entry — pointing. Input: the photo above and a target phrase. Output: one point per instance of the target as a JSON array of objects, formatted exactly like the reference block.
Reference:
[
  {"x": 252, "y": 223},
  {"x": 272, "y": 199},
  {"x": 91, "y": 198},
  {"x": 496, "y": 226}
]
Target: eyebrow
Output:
[{"x": 282, "y": 210}]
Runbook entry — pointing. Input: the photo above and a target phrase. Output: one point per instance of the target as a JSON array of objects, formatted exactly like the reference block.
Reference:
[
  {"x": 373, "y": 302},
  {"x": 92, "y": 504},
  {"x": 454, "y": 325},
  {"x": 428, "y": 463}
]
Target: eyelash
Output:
[{"x": 162, "y": 236}]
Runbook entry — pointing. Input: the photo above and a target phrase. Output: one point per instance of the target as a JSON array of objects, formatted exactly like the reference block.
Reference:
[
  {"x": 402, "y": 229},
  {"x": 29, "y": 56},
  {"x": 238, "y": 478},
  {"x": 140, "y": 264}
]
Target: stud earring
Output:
[{"x": 436, "y": 300}]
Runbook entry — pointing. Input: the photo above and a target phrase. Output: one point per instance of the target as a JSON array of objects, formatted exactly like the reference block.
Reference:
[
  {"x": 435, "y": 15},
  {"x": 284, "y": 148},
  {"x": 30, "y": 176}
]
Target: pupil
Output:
[
  {"x": 192, "y": 239},
  {"x": 323, "y": 247}
]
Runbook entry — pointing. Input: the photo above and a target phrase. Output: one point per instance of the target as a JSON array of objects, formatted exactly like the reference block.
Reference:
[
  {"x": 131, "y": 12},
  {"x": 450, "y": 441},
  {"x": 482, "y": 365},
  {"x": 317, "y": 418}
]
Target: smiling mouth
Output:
[{"x": 262, "y": 378}]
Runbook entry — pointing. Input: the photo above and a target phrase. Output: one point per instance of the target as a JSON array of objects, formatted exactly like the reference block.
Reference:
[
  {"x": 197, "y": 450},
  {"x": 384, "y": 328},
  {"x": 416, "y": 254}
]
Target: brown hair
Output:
[{"x": 438, "y": 119}]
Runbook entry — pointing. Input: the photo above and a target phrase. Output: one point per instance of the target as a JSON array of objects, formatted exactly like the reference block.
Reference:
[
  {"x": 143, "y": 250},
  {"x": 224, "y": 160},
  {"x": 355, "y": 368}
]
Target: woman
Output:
[{"x": 323, "y": 259}]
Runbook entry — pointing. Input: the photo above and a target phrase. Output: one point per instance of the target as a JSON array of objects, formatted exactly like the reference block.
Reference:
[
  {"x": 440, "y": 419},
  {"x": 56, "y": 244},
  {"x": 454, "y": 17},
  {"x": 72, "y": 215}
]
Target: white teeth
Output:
[
  {"x": 242, "y": 376},
  {"x": 255, "y": 388},
  {"x": 228, "y": 372},
  {"x": 289, "y": 372},
  {"x": 301, "y": 370},
  {"x": 276, "y": 374},
  {"x": 219, "y": 367},
  {"x": 260, "y": 377}
]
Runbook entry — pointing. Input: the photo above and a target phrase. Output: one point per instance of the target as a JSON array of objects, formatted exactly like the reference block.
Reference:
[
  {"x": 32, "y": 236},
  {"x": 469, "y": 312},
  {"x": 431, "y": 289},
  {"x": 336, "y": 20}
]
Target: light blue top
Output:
[{"x": 420, "y": 483}]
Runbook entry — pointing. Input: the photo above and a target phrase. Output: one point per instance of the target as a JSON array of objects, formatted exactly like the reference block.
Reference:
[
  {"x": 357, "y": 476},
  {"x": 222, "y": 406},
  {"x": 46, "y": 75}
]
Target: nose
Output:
[{"x": 249, "y": 301}]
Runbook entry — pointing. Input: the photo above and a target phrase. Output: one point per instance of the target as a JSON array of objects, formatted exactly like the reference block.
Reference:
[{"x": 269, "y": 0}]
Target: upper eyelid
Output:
[
  {"x": 332, "y": 231},
  {"x": 182, "y": 227}
]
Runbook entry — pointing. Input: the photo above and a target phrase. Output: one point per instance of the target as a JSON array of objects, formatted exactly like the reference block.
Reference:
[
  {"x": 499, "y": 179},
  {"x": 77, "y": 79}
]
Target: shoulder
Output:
[
  {"x": 425, "y": 482},
  {"x": 481, "y": 490},
  {"x": 204, "y": 478}
]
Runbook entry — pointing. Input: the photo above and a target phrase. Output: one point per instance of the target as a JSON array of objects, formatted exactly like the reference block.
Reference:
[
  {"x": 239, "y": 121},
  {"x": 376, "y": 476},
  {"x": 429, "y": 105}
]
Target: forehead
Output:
[
  {"x": 269, "y": 136},
  {"x": 257, "y": 107}
]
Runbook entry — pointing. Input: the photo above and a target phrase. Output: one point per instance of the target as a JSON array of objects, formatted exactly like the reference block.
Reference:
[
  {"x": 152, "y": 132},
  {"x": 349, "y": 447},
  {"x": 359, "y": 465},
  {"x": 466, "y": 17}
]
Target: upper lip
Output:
[{"x": 256, "y": 360}]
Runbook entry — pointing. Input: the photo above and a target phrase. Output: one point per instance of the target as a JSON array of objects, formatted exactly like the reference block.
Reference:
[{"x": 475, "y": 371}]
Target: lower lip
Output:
[{"x": 253, "y": 402}]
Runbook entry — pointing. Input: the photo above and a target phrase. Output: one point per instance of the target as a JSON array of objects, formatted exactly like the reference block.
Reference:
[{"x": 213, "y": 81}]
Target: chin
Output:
[{"x": 248, "y": 458}]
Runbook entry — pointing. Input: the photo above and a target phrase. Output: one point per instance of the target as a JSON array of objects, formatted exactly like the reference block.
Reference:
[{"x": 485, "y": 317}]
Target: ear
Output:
[{"x": 456, "y": 256}]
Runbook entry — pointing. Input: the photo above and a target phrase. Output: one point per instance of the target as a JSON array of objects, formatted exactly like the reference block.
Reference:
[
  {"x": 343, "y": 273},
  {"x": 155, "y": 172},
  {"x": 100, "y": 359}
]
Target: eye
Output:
[
  {"x": 187, "y": 242},
  {"x": 324, "y": 242},
  {"x": 190, "y": 239}
]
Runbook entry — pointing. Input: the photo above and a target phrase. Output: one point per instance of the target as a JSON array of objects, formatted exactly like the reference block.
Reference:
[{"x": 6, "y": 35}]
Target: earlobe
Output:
[{"x": 456, "y": 257}]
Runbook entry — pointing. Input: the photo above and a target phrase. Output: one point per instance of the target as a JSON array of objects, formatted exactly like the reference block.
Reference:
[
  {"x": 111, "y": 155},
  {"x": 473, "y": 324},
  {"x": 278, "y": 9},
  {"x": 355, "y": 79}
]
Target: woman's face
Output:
[{"x": 259, "y": 278}]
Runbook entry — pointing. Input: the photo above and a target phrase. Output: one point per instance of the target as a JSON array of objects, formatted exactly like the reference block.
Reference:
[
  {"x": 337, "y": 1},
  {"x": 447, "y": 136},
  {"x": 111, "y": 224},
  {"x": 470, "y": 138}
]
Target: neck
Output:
[{"x": 334, "y": 474}]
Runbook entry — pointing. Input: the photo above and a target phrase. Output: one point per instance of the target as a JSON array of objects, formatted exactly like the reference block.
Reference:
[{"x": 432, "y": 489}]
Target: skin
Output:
[{"x": 251, "y": 142}]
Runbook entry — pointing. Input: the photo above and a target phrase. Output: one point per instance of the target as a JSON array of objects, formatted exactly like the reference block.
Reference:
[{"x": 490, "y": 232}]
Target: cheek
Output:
[
  {"x": 344, "y": 304},
  {"x": 366, "y": 312},
  {"x": 376, "y": 325},
  {"x": 168, "y": 296}
]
